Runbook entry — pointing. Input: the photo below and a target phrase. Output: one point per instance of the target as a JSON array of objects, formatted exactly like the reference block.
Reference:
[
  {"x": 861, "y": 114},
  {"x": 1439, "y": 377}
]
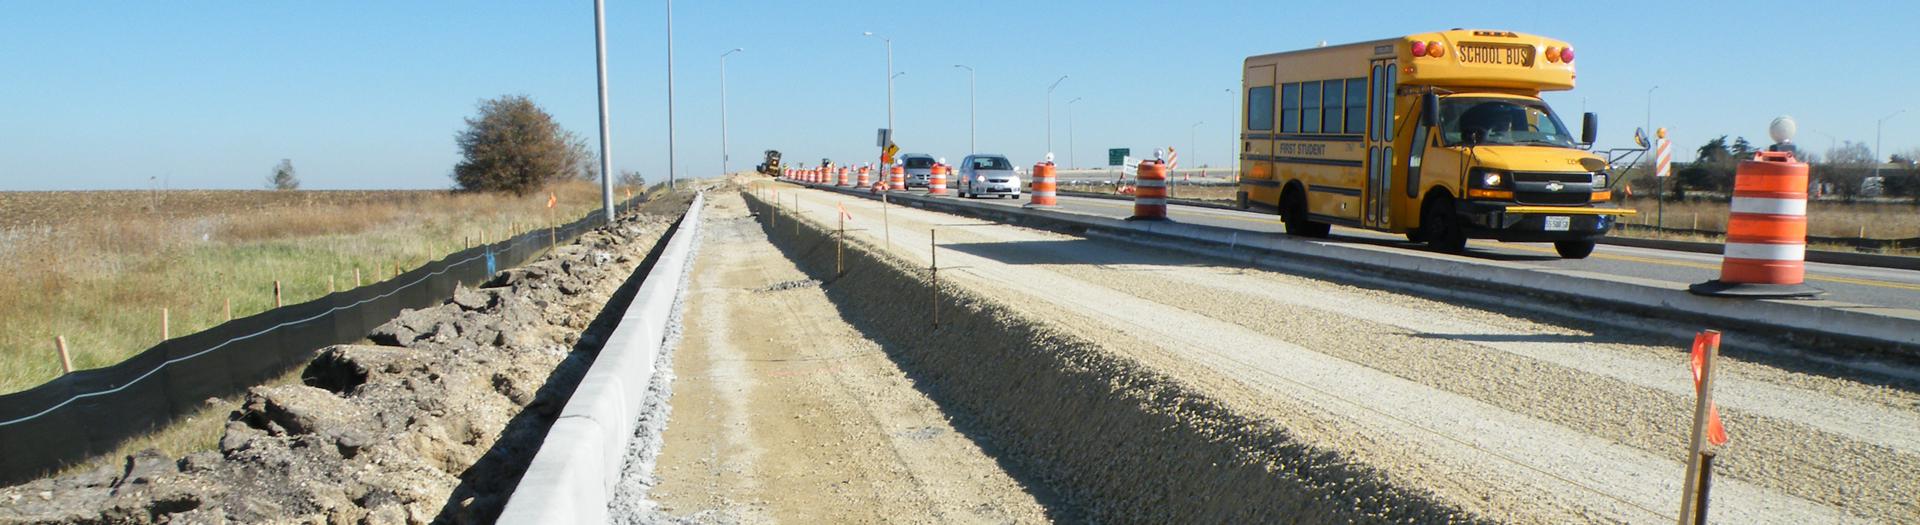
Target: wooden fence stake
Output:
[
  {"x": 166, "y": 322},
  {"x": 66, "y": 360},
  {"x": 840, "y": 248},
  {"x": 356, "y": 277},
  {"x": 933, "y": 266},
  {"x": 330, "y": 288},
  {"x": 1697, "y": 443},
  {"x": 276, "y": 293},
  {"x": 886, "y": 224},
  {"x": 229, "y": 307}
]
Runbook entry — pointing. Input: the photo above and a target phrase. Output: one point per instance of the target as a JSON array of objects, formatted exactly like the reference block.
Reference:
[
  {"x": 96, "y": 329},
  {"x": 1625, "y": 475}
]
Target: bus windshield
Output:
[{"x": 1501, "y": 121}]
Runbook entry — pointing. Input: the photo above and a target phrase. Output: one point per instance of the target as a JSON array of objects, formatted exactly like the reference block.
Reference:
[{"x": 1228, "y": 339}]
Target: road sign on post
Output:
[
  {"x": 883, "y": 137},
  {"x": 1115, "y": 156}
]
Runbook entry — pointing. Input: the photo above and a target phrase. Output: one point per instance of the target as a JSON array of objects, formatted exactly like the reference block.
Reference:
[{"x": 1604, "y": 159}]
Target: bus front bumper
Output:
[{"x": 1518, "y": 223}]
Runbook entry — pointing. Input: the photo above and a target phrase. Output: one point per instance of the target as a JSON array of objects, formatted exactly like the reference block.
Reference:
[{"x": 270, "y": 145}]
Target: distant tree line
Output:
[{"x": 1844, "y": 171}]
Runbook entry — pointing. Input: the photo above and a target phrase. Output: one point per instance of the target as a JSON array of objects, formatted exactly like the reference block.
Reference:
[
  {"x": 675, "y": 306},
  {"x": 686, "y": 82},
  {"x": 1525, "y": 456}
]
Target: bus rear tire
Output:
[
  {"x": 1573, "y": 249},
  {"x": 1293, "y": 211}
]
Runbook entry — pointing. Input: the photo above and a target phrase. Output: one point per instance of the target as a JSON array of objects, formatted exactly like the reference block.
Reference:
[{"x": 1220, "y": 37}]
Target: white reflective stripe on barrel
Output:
[
  {"x": 1769, "y": 206},
  {"x": 1149, "y": 183},
  {"x": 1766, "y": 252},
  {"x": 1043, "y": 194},
  {"x": 1150, "y": 201}
]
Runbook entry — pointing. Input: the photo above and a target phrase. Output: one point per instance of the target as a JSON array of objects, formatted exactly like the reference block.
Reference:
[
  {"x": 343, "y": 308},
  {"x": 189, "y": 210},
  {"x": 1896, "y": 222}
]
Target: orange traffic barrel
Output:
[
  {"x": 844, "y": 179},
  {"x": 877, "y": 187},
  {"x": 897, "y": 178},
  {"x": 1150, "y": 192},
  {"x": 1044, "y": 187},
  {"x": 937, "y": 182},
  {"x": 863, "y": 181},
  {"x": 1765, "y": 254}
]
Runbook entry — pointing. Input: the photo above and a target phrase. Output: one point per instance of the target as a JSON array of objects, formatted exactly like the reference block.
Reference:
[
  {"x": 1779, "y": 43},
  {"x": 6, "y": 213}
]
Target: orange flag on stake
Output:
[
  {"x": 552, "y": 199},
  {"x": 1716, "y": 434},
  {"x": 843, "y": 212}
]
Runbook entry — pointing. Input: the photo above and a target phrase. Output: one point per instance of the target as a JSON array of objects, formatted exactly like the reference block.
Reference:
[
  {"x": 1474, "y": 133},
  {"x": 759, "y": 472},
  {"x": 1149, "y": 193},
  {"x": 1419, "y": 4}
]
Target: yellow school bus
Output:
[{"x": 1441, "y": 136}]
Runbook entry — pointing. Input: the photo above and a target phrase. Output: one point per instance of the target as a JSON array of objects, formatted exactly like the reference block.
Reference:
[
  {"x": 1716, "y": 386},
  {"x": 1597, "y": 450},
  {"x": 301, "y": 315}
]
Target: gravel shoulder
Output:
[
  {"x": 783, "y": 412},
  {"x": 1518, "y": 419}
]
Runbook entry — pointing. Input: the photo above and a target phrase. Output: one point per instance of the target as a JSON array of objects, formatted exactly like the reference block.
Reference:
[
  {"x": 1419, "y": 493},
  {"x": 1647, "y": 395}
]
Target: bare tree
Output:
[
  {"x": 283, "y": 178},
  {"x": 633, "y": 179}
]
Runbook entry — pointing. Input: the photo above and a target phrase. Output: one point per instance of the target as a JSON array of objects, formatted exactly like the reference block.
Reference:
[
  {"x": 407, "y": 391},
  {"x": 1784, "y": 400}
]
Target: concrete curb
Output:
[
  {"x": 572, "y": 478},
  {"x": 1846, "y": 328}
]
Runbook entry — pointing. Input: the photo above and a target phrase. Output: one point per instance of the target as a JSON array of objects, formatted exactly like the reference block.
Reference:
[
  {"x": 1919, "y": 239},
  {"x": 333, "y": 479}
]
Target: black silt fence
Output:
[{"x": 90, "y": 412}]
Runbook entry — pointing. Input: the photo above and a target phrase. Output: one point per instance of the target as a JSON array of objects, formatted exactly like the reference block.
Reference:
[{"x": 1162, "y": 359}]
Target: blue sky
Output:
[{"x": 369, "y": 94}]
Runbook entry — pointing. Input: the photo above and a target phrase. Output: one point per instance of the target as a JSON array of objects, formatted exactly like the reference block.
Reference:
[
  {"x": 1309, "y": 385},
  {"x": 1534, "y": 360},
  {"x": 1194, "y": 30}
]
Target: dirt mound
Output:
[{"x": 434, "y": 422}]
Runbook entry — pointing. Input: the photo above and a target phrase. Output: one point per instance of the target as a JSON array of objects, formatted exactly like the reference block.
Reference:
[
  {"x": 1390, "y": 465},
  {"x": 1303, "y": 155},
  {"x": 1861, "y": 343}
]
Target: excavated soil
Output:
[{"x": 433, "y": 422}]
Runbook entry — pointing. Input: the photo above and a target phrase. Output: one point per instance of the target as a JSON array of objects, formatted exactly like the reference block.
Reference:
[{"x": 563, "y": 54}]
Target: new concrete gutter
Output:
[
  {"x": 1851, "y": 330},
  {"x": 573, "y": 476}
]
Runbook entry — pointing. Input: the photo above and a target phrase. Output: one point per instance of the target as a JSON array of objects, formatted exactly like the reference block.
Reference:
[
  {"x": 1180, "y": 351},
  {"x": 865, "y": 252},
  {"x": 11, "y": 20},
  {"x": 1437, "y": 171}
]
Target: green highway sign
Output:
[{"x": 1116, "y": 155}]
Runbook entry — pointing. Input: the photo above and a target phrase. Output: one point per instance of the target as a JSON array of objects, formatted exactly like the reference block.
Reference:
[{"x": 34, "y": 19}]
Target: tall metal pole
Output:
[
  {"x": 971, "y": 108},
  {"x": 1876, "y": 140},
  {"x": 1056, "y": 83},
  {"x": 1071, "y": 163},
  {"x": 670, "y": 161},
  {"x": 1234, "y": 144},
  {"x": 606, "y": 159},
  {"x": 1660, "y": 183},
  {"x": 1649, "y": 128},
  {"x": 890, "y": 131},
  {"x": 723, "y": 110}
]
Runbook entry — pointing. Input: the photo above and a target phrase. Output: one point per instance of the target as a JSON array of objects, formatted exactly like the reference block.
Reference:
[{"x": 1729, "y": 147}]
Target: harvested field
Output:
[
  {"x": 98, "y": 267},
  {"x": 433, "y": 422}
]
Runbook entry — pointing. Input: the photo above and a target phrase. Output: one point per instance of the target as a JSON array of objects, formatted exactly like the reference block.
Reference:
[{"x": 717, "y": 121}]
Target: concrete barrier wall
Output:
[{"x": 573, "y": 475}]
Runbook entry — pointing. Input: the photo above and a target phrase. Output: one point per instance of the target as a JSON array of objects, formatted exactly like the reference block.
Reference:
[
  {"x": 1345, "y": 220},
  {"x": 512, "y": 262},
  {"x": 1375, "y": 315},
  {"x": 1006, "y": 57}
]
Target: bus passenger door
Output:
[{"x": 1380, "y": 107}]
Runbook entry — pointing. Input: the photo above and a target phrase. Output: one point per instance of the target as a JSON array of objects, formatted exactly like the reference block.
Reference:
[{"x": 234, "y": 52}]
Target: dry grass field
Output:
[{"x": 97, "y": 267}]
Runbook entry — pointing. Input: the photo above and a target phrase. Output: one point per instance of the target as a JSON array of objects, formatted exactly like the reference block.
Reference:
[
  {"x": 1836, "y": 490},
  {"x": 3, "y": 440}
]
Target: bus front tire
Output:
[
  {"x": 1442, "y": 227},
  {"x": 1573, "y": 249}
]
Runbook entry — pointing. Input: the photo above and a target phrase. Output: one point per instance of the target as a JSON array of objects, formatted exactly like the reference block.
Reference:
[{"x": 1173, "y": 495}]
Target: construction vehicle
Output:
[{"x": 772, "y": 166}]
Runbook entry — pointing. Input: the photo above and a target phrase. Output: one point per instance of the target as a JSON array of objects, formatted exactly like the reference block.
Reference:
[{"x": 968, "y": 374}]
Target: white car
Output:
[
  {"x": 987, "y": 174},
  {"x": 919, "y": 169}
]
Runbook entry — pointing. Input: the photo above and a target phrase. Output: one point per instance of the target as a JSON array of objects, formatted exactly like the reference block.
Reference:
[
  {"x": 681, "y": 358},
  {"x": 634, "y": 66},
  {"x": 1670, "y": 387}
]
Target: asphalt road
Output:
[{"x": 1853, "y": 284}]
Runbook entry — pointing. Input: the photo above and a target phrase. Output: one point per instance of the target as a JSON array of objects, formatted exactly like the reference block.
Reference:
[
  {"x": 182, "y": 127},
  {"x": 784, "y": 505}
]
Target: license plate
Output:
[{"x": 1559, "y": 224}]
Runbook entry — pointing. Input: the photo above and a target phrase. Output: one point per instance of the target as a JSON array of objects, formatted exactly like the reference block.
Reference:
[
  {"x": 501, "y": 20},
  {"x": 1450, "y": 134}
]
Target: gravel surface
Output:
[
  {"x": 1516, "y": 418},
  {"x": 782, "y": 412}
]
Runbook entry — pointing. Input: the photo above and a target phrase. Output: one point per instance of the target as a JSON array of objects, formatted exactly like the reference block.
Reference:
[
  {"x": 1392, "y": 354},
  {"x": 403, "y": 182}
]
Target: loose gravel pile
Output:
[{"x": 432, "y": 423}]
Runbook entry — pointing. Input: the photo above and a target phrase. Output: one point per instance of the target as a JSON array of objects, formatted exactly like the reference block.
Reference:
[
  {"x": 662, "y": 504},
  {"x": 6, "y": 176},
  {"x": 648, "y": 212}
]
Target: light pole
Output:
[
  {"x": 1193, "y": 141},
  {"x": 1071, "y": 163},
  {"x": 1649, "y": 128},
  {"x": 1056, "y": 83},
  {"x": 1876, "y": 140},
  {"x": 970, "y": 107},
  {"x": 723, "y": 110},
  {"x": 600, "y": 59},
  {"x": 890, "y": 75},
  {"x": 1660, "y": 183},
  {"x": 670, "y": 161},
  {"x": 1831, "y": 141}
]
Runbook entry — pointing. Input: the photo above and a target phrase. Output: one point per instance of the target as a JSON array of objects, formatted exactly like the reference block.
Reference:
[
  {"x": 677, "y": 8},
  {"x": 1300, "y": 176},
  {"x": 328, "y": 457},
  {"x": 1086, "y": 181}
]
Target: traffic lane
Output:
[{"x": 1854, "y": 284}]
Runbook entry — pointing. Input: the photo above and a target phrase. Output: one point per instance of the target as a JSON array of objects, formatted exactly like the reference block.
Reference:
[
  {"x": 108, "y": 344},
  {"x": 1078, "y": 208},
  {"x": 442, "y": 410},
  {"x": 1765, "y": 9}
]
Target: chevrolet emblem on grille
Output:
[{"x": 1555, "y": 186}]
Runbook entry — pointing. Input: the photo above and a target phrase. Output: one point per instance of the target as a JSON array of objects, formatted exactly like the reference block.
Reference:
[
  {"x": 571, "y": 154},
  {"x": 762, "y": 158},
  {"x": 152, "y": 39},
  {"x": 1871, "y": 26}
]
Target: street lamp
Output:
[
  {"x": 1831, "y": 141},
  {"x": 723, "y": 109},
  {"x": 1056, "y": 83},
  {"x": 600, "y": 58},
  {"x": 670, "y": 161},
  {"x": 1649, "y": 128},
  {"x": 1876, "y": 140},
  {"x": 890, "y": 76},
  {"x": 970, "y": 107},
  {"x": 1193, "y": 141},
  {"x": 1071, "y": 163}
]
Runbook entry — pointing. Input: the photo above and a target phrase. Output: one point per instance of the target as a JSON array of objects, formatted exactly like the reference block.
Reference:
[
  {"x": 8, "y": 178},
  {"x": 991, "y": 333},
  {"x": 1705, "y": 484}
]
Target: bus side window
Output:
[
  {"x": 1331, "y": 106},
  {"x": 1260, "y": 108},
  {"x": 1310, "y": 107},
  {"x": 1290, "y": 108}
]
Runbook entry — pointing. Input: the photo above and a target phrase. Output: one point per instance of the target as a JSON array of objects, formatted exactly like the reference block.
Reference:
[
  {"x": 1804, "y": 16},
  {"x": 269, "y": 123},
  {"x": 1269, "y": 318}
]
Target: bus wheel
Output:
[
  {"x": 1294, "y": 213},
  {"x": 1442, "y": 227},
  {"x": 1573, "y": 249}
]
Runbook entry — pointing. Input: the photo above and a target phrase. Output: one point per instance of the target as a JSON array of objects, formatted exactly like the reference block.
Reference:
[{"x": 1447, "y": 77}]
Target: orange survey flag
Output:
[
  {"x": 1716, "y": 434},
  {"x": 843, "y": 212},
  {"x": 552, "y": 199}
]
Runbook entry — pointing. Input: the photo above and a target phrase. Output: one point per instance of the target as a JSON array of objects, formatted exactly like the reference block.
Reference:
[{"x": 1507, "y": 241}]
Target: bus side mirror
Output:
[
  {"x": 1429, "y": 109},
  {"x": 1589, "y": 128}
]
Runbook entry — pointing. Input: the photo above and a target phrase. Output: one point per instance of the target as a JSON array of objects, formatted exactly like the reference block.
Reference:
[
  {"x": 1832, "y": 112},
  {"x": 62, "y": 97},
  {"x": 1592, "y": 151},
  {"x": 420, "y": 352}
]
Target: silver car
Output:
[
  {"x": 987, "y": 174},
  {"x": 919, "y": 168}
]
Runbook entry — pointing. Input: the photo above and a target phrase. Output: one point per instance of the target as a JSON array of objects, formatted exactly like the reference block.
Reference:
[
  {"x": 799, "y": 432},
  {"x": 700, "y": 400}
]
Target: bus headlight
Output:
[
  {"x": 1492, "y": 179},
  {"x": 1599, "y": 179}
]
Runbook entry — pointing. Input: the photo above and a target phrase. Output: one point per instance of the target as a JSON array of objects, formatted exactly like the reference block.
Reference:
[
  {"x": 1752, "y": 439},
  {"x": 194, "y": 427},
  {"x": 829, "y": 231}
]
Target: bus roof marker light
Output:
[
  {"x": 1435, "y": 50},
  {"x": 1419, "y": 48}
]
